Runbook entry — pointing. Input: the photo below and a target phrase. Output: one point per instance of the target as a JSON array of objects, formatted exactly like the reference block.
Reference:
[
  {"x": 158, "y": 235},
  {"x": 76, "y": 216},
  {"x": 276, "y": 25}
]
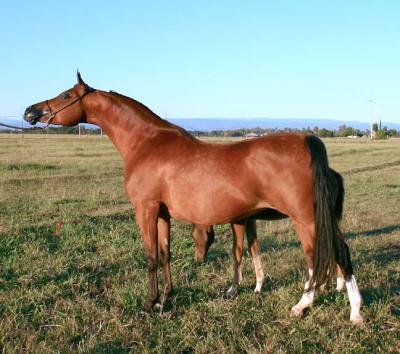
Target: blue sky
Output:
[{"x": 279, "y": 59}]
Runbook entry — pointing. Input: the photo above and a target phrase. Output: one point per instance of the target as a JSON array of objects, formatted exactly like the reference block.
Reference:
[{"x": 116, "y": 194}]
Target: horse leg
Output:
[
  {"x": 163, "y": 229},
  {"x": 355, "y": 300},
  {"x": 237, "y": 252},
  {"x": 306, "y": 234},
  {"x": 254, "y": 247},
  {"x": 351, "y": 285},
  {"x": 146, "y": 217}
]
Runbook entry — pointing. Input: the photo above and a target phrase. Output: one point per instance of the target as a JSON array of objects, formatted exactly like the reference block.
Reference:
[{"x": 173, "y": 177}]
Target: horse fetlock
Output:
[{"x": 151, "y": 264}]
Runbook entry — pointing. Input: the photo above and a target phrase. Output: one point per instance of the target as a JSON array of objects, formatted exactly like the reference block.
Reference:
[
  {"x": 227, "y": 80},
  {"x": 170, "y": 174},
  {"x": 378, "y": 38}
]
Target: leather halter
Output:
[{"x": 51, "y": 115}]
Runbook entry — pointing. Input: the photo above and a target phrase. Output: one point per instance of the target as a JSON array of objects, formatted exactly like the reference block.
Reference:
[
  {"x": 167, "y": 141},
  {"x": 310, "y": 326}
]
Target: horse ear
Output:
[{"x": 79, "y": 78}]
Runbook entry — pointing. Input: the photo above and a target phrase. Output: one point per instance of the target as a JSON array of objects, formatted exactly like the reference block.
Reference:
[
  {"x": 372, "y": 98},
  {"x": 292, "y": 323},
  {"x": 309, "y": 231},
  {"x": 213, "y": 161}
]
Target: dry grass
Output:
[{"x": 83, "y": 291}]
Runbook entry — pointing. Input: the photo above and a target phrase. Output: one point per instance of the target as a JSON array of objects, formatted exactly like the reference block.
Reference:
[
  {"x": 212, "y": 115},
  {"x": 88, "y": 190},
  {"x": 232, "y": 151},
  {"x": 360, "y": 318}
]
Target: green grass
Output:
[{"x": 83, "y": 291}]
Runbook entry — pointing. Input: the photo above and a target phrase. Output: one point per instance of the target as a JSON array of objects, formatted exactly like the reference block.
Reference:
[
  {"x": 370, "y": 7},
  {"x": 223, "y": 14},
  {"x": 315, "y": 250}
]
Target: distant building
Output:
[{"x": 251, "y": 135}]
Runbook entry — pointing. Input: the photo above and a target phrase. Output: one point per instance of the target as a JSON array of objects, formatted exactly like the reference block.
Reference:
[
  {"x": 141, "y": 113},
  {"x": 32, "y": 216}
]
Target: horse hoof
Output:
[
  {"x": 257, "y": 289},
  {"x": 232, "y": 292},
  {"x": 356, "y": 319},
  {"x": 148, "y": 306}
]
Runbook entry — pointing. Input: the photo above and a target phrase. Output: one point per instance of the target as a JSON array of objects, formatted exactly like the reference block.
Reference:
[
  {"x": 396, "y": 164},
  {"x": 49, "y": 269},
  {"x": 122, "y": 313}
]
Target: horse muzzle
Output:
[{"x": 32, "y": 115}]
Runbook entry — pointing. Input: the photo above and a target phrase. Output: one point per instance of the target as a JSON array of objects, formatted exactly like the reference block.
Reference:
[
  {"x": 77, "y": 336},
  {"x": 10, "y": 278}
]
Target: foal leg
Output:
[
  {"x": 306, "y": 234},
  {"x": 163, "y": 229},
  {"x": 254, "y": 247},
  {"x": 237, "y": 252},
  {"x": 340, "y": 282},
  {"x": 146, "y": 217}
]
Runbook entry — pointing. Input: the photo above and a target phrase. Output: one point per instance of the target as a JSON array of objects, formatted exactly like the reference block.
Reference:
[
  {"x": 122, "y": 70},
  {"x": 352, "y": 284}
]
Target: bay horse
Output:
[{"x": 170, "y": 174}]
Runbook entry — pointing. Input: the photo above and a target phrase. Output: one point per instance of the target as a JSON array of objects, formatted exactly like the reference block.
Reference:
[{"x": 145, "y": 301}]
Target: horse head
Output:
[{"x": 64, "y": 109}]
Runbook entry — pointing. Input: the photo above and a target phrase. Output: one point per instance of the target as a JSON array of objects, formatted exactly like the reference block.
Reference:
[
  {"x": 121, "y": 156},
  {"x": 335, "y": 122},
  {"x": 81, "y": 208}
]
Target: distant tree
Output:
[
  {"x": 381, "y": 134},
  {"x": 393, "y": 132},
  {"x": 325, "y": 133},
  {"x": 375, "y": 127},
  {"x": 358, "y": 132},
  {"x": 345, "y": 131}
]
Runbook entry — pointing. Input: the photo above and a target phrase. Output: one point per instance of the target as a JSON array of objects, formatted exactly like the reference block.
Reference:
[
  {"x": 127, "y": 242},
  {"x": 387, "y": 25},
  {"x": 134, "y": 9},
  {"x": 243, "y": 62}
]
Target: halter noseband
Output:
[{"x": 51, "y": 115}]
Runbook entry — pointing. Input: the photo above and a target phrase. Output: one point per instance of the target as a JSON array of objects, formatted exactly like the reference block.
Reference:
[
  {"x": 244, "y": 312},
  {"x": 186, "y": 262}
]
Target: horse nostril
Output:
[{"x": 32, "y": 114}]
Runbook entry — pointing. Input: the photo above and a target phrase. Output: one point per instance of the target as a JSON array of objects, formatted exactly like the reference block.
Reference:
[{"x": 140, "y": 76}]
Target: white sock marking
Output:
[
  {"x": 259, "y": 273},
  {"x": 355, "y": 300},
  {"x": 306, "y": 300}
]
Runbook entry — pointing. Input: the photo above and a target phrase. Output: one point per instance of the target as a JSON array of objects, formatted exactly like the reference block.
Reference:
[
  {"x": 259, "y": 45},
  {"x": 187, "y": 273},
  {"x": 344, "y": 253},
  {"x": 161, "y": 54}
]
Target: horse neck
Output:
[{"x": 126, "y": 122}]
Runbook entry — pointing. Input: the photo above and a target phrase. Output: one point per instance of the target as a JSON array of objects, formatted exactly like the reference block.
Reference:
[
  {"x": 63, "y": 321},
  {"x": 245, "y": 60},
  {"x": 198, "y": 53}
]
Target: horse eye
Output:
[{"x": 65, "y": 96}]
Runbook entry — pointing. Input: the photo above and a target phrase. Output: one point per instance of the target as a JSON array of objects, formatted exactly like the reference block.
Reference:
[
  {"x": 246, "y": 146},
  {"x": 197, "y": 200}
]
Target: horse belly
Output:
[{"x": 216, "y": 206}]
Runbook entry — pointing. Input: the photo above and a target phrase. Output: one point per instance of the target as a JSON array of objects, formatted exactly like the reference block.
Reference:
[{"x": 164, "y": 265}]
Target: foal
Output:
[{"x": 203, "y": 237}]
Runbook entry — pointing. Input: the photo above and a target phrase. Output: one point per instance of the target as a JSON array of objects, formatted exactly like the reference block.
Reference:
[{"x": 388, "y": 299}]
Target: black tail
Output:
[
  {"x": 330, "y": 248},
  {"x": 339, "y": 195}
]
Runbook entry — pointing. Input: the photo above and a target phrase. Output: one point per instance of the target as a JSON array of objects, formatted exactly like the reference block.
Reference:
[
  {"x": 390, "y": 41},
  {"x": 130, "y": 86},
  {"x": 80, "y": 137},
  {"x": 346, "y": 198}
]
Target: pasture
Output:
[{"x": 82, "y": 290}]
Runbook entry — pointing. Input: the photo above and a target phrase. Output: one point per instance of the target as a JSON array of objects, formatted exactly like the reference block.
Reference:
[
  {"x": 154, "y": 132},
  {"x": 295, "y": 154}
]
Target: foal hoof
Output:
[
  {"x": 356, "y": 319},
  {"x": 148, "y": 306},
  {"x": 232, "y": 292}
]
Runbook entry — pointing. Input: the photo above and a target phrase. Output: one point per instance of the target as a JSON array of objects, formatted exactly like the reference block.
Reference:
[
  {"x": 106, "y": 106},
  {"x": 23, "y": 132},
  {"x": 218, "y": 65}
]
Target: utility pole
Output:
[
  {"x": 79, "y": 130},
  {"x": 372, "y": 115}
]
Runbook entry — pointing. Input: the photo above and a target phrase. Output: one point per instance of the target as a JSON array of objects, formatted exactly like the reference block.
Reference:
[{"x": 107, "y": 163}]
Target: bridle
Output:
[{"x": 52, "y": 114}]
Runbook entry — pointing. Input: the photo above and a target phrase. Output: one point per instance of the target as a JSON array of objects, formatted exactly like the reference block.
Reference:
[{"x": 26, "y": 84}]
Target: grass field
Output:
[{"x": 82, "y": 291}]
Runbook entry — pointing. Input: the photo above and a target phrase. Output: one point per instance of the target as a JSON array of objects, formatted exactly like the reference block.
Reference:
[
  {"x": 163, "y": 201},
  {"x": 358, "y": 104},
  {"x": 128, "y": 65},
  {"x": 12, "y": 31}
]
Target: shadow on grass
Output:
[
  {"x": 383, "y": 257},
  {"x": 186, "y": 296},
  {"x": 375, "y": 295},
  {"x": 267, "y": 244},
  {"x": 88, "y": 281},
  {"x": 106, "y": 219},
  {"x": 112, "y": 347},
  {"x": 215, "y": 255},
  {"x": 45, "y": 233},
  {"x": 372, "y": 233}
]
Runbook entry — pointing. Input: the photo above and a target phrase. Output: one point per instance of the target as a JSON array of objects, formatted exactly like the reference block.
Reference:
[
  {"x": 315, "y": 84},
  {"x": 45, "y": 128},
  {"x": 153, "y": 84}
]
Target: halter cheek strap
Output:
[{"x": 51, "y": 115}]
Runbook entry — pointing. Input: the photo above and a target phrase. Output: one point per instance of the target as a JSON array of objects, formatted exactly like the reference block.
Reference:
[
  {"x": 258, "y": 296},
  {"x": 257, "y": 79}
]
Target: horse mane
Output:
[{"x": 155, "y": 119}]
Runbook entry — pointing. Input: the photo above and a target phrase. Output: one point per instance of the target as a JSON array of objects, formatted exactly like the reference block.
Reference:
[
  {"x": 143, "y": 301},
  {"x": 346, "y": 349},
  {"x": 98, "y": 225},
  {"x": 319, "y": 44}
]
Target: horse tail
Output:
[
  {"x": 328, "y": 192},
  {"x": 339, "y": 195}
]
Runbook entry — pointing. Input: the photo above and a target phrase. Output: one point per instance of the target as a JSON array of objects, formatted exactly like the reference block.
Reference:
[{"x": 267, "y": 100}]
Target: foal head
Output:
[
  {"x": 203, "y": 237},
  {"x": 64, "y": 109}
]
